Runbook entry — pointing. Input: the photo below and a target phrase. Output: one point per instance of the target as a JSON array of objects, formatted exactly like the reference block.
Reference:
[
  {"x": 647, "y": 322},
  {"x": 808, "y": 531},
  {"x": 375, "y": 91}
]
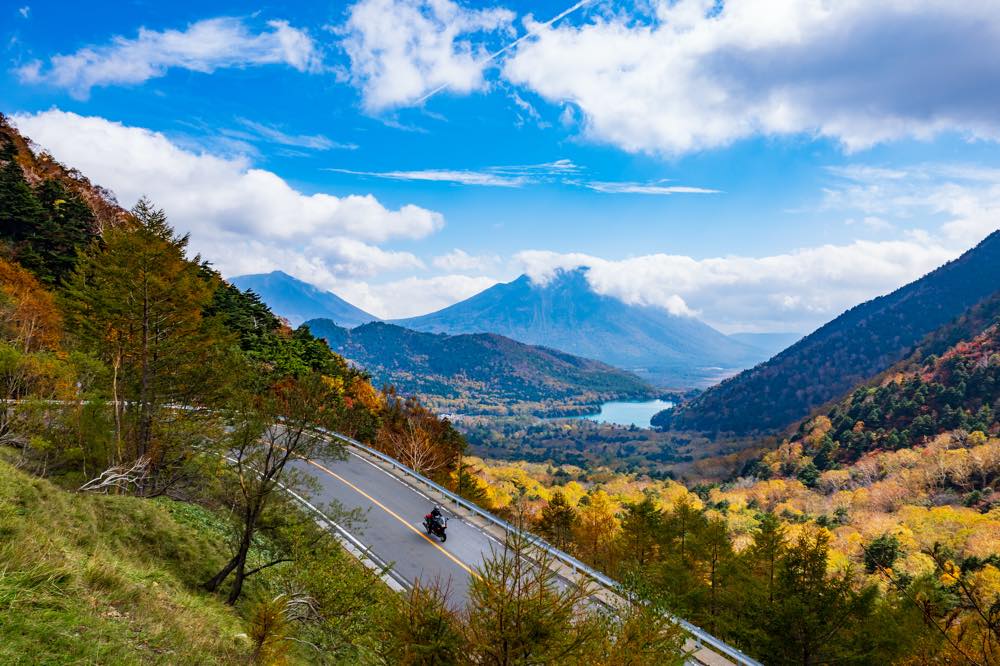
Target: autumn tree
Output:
[
  {"x": 596, "y": 529},
  {"x": 416, "y": 437}
]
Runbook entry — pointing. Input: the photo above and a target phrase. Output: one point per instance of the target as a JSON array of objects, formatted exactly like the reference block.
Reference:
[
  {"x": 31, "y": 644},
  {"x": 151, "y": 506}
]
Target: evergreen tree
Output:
[{"x": 557, "y": 520}]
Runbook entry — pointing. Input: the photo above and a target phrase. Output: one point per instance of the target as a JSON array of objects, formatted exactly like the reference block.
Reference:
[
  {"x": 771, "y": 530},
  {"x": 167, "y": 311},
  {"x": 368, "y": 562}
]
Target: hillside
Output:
[
  {"x": 851, "y": 349},
  {"x": 566, "y": 314},
  {"x": 479, "y": 373},
  {"x": 298, "y": 301},
  {"x": 950, "y": 383}
]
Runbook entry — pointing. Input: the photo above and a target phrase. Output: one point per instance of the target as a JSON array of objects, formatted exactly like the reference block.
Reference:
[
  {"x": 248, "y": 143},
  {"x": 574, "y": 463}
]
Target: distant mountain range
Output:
[
  {"x": 566, "y": 314},
  {"x": 298, "y": 301},
  {"x": 480, "y": 373},
  {"x": 849, "y": 350}
]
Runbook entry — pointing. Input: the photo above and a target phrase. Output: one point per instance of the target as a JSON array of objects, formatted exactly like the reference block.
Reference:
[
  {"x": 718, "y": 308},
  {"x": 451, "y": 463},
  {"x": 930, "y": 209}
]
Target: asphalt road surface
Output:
[{"x": 393, "y": 526}]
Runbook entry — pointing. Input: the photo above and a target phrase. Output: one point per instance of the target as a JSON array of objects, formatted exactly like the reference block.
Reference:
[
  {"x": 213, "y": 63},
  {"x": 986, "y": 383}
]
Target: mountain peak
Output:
[
  {"x": 298, "y": 301},
  {"x": 565, "y": 313}
]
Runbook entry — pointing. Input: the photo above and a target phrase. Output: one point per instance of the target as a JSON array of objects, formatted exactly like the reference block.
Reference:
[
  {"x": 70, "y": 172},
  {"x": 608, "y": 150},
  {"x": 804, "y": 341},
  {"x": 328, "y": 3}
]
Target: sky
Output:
[{"x": 762, "y": 165}]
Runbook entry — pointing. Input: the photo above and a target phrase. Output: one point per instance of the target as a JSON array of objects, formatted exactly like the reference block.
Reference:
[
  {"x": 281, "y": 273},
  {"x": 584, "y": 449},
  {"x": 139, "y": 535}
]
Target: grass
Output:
[{"x": 98, "y": 579}]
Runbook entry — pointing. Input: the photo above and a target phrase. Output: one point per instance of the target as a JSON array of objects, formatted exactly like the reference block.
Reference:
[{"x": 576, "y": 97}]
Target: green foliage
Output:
[
  {"x": 46, "y": 226},
  {"x": 881, "y": 553},
  {"x": 424, "y": 631},
  {"x": 557, "y": 521}
]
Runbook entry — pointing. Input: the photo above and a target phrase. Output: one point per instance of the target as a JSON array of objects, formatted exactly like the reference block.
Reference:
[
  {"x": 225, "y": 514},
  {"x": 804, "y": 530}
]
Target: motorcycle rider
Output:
[{"x": 434, "y": 516}]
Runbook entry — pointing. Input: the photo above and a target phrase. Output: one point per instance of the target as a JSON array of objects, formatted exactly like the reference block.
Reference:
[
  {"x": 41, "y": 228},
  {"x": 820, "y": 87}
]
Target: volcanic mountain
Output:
[{"x": 565, "y": 313}]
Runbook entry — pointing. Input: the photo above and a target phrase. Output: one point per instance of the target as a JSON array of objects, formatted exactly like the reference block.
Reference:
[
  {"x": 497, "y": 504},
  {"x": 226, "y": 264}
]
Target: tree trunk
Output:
[
  {"x": 241, "y": 565},
  {"x": 215, "y": 581}
]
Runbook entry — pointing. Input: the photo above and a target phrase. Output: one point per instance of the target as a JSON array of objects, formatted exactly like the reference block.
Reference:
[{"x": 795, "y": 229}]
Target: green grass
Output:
[{"x": 87, "y": 579}]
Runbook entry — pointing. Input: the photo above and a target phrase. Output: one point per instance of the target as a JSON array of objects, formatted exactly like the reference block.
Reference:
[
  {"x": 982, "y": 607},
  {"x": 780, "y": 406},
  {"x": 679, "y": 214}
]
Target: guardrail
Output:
[{"x": 700, "y": 636}]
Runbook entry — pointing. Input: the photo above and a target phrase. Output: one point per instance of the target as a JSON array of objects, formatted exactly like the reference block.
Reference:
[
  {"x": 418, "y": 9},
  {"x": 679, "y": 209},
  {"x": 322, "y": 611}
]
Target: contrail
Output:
[{"x": 496, "y": 54}]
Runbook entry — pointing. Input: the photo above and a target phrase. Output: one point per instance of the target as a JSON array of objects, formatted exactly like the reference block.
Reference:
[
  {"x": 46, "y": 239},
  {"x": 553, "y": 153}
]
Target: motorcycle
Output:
[{"x": 436, "y": 526}]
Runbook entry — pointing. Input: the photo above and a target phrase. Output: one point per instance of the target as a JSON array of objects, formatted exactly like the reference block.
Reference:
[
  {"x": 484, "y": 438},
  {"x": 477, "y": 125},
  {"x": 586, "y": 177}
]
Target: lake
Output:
[{"x": 629, "y": 413}]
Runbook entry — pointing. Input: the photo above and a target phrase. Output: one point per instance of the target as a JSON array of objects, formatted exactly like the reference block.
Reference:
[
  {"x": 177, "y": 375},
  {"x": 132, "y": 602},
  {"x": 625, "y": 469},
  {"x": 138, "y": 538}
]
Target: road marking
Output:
[{"x": 394, "y": 515}]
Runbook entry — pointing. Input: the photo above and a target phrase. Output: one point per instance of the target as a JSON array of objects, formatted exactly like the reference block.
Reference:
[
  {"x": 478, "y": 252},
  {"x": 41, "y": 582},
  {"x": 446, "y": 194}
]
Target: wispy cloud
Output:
[
  {"x": 494, "y": 176},
  {"x": 24, "y": 11},
  {"x": 311, "y": 141},
  {"x": 204, "y": 47},
  {"x": 645, "y": 188}
]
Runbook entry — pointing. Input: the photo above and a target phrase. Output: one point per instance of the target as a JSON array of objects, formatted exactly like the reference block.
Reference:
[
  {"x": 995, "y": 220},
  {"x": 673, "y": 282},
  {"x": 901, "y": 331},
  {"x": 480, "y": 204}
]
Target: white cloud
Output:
[
  {"x": 460, "y": 177},
  {"x": 494, "y": 176},
  {"x": 411, "y": 296},
  {"x": 24, "y": 11},
  {"x": 275, "y": 135},
  {"x": 402, "y": 49},
  {"x": 646, "y": 188},
  {"x": 794, "y": 291},
  {"x": 204, "y": 46},
  {"x": 695, "y": 74},
  {"x": 460, "y": 260},
  {"x": 241, "y": 218},
  {"x": 964, "y": 197}
]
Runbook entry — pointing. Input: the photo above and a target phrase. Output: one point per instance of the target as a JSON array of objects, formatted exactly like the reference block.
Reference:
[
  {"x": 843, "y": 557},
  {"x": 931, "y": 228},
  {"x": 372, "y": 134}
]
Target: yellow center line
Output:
[{"x": 394, "y": 515}]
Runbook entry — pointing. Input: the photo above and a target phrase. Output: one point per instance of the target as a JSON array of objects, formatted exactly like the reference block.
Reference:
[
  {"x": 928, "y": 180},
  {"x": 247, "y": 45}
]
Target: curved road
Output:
[{"x": 393, "y": 529}]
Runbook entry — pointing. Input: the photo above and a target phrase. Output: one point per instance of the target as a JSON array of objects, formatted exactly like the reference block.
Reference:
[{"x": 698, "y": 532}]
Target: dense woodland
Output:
[{"x": 148, "y": 414}]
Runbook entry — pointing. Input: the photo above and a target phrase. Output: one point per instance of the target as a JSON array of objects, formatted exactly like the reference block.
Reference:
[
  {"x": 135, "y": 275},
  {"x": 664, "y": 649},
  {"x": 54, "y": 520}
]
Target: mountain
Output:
[
  {"x": 950, "y": 383},
  {"x": 479, "y": 373},
  {"x": 566, "y": 314},
  {"x": 768, "y": 343},
  {"x": 298, "y": 301},
  {"x": 851, "y": 349}
]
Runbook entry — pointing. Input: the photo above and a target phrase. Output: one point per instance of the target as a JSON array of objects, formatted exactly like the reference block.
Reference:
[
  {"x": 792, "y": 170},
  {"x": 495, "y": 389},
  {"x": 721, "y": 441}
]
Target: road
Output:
[{"x": 393, "y": 529}]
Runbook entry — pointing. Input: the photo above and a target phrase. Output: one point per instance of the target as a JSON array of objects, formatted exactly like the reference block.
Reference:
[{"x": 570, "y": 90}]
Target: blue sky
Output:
[{"x": 761, "y": 165}]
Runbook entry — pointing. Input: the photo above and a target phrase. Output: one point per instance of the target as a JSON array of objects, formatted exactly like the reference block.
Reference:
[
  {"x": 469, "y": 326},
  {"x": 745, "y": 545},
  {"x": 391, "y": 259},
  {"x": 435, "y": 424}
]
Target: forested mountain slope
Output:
[
  {"x": 950, "y": 383},
  {"x": 851, "y": 349},
  {"x": 479, "y": 373},
  {"x": 566, "y": 314}
]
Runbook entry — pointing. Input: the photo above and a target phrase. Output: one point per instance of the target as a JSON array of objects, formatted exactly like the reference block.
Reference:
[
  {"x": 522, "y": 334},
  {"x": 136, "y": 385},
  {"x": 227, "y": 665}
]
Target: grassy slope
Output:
[{"x": 96, "y": 579}]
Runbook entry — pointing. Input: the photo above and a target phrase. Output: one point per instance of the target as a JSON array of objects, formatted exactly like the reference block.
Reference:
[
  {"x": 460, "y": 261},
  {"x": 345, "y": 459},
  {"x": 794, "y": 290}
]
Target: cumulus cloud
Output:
[
  {"x": 204, "y": 46},
  {"x": 400, "y": 50},
  {"x": 242, "y": 218},
  {"x": 793, "y": 291},
  {"x": 694, "y": 74}
]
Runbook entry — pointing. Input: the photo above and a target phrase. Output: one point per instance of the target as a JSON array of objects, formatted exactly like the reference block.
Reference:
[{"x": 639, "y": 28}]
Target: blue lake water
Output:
[{"x": 629, "y": 413}]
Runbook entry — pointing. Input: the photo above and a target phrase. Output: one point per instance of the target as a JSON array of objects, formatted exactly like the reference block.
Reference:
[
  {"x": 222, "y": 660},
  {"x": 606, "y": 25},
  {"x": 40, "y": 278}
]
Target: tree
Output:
[
  {"x": 423, "y": 631},
  {"x": 557, "y": 521},
  {"x": 640, "y": 533},
  {"x": 596, "y": 529},
  {"x": 136, "y": 302},
  {"x": 816, "y": 618},
  {"x": 519, "y": 614},
  {"x": 417, "y": 438},
  {"x": 881, "y": 553},
  {"x": 267, "y": 432}
]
